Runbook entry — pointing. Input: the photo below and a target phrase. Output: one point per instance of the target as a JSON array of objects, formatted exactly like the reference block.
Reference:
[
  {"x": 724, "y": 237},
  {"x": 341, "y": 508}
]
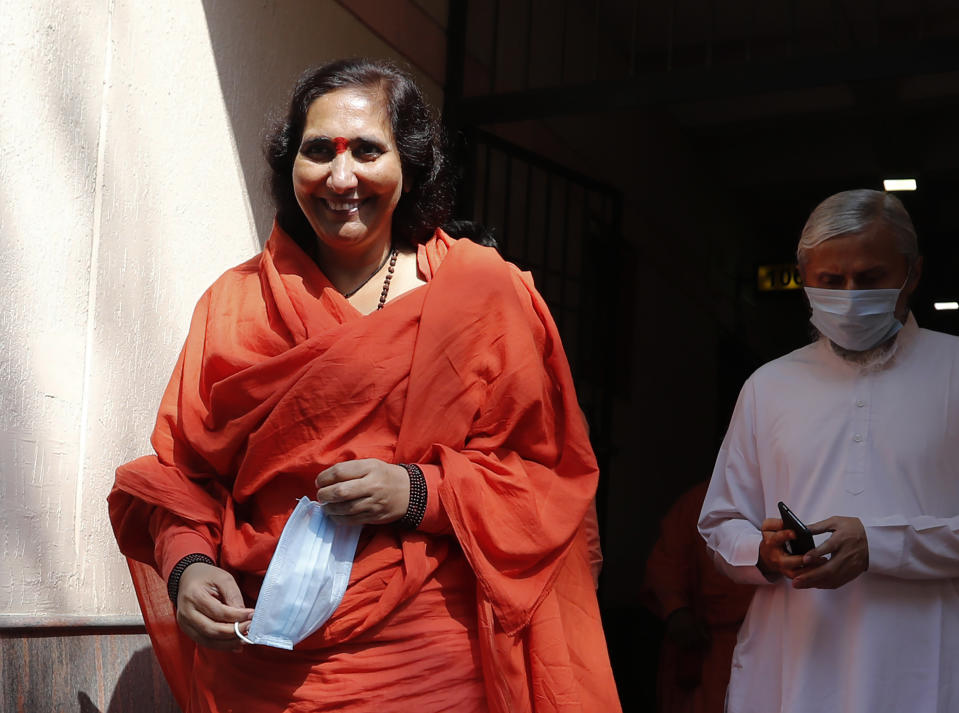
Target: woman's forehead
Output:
[{"x": 349, "y": 112}]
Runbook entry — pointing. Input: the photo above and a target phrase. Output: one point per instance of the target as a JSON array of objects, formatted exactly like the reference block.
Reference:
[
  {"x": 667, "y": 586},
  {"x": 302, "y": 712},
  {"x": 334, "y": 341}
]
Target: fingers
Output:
[
  {"x": 213, "y": 636},
  {"x": 772, "y": 554},
  {"x": 811, "y": 561},
  {"x": 778, "y": 538},
  {"x": 828, "y": 576},
  {"x": 362, "y": 511},
  {"x": 229, "y": 593},
  {"x": 848, "y": 552},
  {"x": 790, "y": 565},
  {"x": 214, "y": 610},
  {"x": 351, "y": 508},
  {"x": 342, "y": 491},
  {"x": 347, "y": 470},
  {"x": 202, "y": 609},
  {"x": 830, "y": 524},
  {"x": 367, "y": 491},
  {"x": 772, "y": 524},
  {"x": 826, "y": 548}
]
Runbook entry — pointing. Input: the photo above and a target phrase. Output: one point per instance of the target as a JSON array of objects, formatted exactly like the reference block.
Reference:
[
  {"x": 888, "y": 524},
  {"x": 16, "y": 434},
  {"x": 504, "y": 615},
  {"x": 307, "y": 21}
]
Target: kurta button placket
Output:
[{"x": 855, "y": 477}]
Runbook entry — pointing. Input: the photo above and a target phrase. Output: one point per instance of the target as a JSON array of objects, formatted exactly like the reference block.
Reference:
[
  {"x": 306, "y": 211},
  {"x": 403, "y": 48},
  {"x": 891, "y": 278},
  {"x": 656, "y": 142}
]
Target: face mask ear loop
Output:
[{"x": 236, "y": 628}]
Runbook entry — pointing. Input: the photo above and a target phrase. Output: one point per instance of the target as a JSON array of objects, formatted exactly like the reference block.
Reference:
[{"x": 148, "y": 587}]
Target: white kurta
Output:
[{"x": 828, "y": 438}]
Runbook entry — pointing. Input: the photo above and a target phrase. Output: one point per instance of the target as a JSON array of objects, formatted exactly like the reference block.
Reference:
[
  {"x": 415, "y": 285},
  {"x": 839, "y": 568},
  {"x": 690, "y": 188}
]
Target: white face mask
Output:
[
  {"x": 855, "y": 319},
  {"x": 306, "y": 579}
]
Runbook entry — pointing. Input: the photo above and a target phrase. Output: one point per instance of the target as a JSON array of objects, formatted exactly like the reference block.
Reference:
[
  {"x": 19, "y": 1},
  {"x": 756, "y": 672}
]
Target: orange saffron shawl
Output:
[{"x": 276, "y": 381}]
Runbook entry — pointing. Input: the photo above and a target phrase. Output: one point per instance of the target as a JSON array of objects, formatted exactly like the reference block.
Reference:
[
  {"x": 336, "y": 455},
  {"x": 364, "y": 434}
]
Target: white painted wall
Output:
[{"x": 131, "y": 177}]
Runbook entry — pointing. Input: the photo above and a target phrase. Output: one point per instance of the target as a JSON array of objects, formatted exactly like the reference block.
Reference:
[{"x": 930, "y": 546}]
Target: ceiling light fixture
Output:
[
  {"x": 945, "y": 305},
  {"x": 899, "y": 184}
]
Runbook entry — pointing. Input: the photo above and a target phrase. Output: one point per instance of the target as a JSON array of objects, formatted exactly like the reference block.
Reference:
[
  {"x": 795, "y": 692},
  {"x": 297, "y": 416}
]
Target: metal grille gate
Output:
[{"x": 565, "y": 229}]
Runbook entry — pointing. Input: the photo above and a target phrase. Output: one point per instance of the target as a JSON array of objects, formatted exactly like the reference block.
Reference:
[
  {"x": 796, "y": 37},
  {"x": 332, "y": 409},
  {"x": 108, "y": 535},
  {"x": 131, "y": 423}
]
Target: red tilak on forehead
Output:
[{"x": 341, "y": 145}]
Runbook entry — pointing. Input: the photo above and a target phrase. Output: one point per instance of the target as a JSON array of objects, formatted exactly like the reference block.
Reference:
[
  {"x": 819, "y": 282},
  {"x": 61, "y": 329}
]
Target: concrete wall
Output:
[
  {"x": 131, "y": 174},
  {"x": 131, "y": 177}
]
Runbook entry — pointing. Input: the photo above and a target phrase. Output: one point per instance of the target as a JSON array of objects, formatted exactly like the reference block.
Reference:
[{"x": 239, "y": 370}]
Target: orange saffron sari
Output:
[{"x": 490, "y": 604}]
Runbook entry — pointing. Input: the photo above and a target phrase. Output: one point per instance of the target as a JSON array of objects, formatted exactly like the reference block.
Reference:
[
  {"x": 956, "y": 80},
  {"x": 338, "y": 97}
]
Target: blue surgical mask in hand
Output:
[
  {"x": 855, "y": 319},
  {"x": 306, "y": 579}
]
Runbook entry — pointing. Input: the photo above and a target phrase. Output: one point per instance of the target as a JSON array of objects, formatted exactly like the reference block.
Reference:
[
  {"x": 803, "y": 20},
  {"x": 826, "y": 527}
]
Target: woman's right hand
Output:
[{"x": 208, "y": 603}]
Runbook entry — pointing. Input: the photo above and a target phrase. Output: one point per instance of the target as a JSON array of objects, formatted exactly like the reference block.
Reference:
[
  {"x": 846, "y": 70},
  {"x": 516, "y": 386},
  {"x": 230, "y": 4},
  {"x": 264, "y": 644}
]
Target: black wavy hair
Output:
[{"x": 417, "y": 132}]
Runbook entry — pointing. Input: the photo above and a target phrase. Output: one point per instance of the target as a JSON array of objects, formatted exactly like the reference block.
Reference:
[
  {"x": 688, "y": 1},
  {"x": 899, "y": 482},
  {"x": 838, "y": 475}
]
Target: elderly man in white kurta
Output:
[{"x": 859, "y": 432}]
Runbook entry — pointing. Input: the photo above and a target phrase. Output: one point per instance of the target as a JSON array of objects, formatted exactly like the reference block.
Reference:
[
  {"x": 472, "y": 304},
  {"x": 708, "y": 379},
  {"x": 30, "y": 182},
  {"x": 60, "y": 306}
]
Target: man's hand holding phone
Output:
[
  {"x": 848, "y": 550},
  {"x": 785, "y": 545},
  {"x": 773, "y": 558},
  {"x": 788, "y": 549}
]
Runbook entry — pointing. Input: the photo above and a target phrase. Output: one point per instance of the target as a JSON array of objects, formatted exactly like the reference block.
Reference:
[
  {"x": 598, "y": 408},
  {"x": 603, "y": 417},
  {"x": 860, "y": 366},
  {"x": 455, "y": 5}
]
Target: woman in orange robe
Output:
[{"x": 358, "y": 340}]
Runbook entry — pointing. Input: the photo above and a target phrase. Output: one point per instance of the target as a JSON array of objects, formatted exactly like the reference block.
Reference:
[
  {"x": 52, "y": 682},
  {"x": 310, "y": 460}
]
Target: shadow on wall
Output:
[
  {"x": 140, "y": 687},
  {"x": 71, "y": 669},
  {"x": 260, "y": 49}
]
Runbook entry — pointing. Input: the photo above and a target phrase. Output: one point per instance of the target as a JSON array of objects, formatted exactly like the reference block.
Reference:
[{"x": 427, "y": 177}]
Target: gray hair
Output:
[{"x": 851, "y": 212}]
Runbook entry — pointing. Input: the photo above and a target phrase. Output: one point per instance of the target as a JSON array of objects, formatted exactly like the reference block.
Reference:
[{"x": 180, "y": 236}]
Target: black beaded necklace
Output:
[
  {"x": 391, "y": 258},
  {"x": 386, "y": 280}
]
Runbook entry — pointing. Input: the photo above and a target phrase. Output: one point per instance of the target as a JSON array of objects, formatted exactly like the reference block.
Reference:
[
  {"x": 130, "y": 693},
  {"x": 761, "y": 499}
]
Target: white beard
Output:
[{"x": 873, "y": 359}]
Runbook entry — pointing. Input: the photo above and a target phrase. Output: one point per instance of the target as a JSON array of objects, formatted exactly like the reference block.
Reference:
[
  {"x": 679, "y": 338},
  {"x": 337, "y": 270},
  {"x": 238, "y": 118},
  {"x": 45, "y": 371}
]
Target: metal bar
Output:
[
  {"x": 529, "y": 43},
  {"x": 839, "y": 10},
  {"x": 466, "y": 196},
  {"x": 453, "y": 91},
  {"x": 564, "y": 262},
  {"x": 548, "y": 211},
  {"x": 607, "y": 336},
  {"x": 711, "y": 37},
  {"x": 609, "y": 377},
  {"x": 669, "y": 35},
  {"x": 835, "y": 23},
  {"x": 508, "y": 188},
  {"x": 555, "y": 271},
  {"x": 684, "y": 85},
  {"x": 486, "y": 183},
  {"x": 596, "y": 40},
  {"x": 70, "y": 621},
  {"x": 877, "y": 37},
  {"x": 455, "y": 62},
  {"x": 793, "y": 32},
  {"x": 585, "y": 314},
  {"x": 494, "y": 50},
  {"x": 529, "y": 214},
  {"x": 541, "y": 162}
]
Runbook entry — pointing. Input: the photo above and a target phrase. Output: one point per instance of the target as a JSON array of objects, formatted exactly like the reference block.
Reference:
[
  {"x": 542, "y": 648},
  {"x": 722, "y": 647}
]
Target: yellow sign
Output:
[{"x": 776, "y": 278}]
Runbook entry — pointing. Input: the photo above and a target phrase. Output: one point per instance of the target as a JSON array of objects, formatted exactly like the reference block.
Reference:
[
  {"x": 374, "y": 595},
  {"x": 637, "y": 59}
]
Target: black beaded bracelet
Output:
[
  {"x": 173, "y": 583},
  {"x": 418, "y": 494}
]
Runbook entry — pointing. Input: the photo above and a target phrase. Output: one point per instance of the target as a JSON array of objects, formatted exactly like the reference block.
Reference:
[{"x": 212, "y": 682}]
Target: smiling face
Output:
[
  {"x": 870, "y": 260},
  {"x": 347, "y": 175}
]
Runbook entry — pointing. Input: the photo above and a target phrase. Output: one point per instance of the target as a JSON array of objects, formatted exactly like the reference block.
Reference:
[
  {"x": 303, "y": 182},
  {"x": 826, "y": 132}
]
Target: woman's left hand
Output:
[{"x": 364, "y": 492}]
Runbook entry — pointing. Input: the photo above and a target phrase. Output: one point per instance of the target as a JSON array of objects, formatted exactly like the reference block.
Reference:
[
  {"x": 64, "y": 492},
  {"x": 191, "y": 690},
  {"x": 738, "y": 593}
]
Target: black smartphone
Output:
[{"x": 803, "y": 542}]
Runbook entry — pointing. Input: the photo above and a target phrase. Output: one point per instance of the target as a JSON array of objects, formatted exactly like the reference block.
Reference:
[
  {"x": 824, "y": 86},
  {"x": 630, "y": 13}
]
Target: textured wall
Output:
[
  {"x": 52, "y": 64},
  {"x": 130, "y": 172},
  {"x": 96, "y": 671}
]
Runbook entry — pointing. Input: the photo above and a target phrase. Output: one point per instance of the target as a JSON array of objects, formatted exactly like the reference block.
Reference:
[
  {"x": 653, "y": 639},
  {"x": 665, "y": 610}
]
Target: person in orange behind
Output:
[
  {"x": 702, "y": 610},
  {"x": 414, "y": 384}
]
